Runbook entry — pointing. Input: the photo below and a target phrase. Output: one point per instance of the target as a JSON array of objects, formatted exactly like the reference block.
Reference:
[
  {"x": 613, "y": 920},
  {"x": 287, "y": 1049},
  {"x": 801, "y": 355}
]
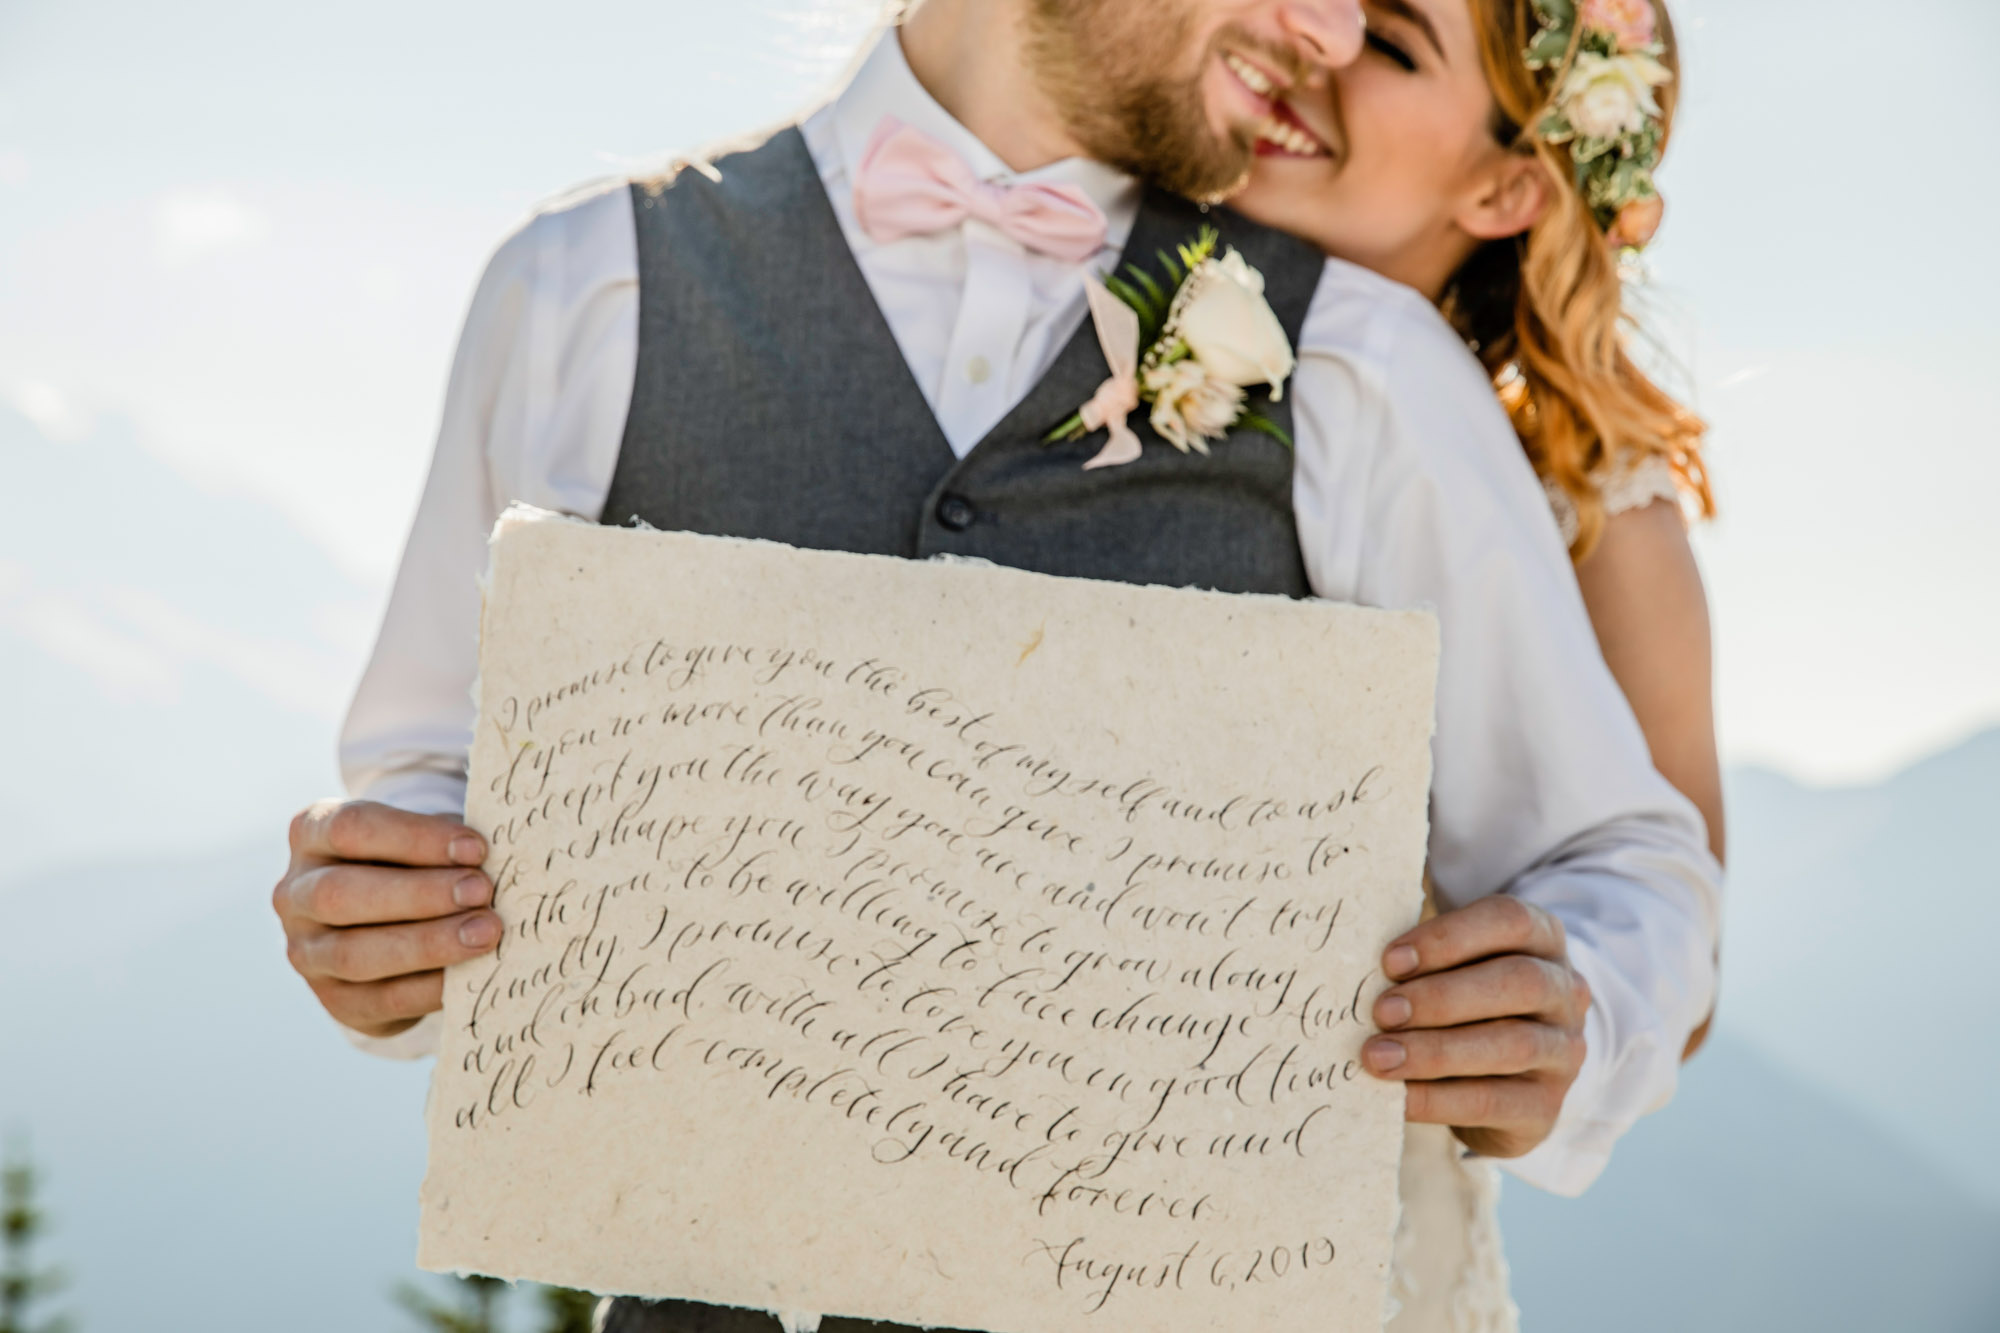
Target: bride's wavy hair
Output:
[{"x": 1546, "y": 311}]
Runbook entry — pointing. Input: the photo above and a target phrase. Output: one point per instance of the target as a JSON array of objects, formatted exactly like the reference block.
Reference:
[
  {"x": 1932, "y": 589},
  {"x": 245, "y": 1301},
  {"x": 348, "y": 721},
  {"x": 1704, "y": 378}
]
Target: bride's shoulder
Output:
[{"x": 1633, "y": 480}]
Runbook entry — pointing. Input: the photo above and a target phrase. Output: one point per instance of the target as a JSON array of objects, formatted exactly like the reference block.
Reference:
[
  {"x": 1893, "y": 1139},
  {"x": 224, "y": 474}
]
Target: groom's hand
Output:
[
  {"x": 376, "y": 904},
  {"x": 1485, "y": 1024}
]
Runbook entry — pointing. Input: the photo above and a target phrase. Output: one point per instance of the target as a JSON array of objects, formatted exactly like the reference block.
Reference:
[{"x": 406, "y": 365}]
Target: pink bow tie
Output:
[{"x": 912, "y": 185}]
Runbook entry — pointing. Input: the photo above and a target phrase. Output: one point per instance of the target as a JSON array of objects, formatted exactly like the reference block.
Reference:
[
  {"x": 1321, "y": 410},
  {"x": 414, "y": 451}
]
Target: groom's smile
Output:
[
  {"x": 1264, "y": 98},
  {"x": 1258, "y": 87},
  {"x": 1183, "y": 92},
  {"x": 1247, "y": 85}
]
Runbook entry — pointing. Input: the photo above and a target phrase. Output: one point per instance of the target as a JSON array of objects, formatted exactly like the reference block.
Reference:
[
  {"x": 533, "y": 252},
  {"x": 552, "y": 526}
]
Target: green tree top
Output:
[{"x": 22, "y": 1222}]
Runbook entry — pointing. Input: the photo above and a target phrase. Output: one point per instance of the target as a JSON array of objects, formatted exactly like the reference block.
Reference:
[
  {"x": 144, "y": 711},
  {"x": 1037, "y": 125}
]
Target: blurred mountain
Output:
[
  {"x": 1862, "y": 926},
  {"x": 1756, "y": 1204},
  {"x": 175, "y": 658},
  {"x": 215, "y": 1154}
]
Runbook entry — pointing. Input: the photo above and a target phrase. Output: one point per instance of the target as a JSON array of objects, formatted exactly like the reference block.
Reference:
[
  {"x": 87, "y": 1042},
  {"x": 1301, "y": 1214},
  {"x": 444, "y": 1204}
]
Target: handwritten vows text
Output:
[{"x": 926, "y": 942}]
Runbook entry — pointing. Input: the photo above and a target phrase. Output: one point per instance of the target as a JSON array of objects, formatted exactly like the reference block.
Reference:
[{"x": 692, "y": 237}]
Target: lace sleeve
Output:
[{"x": 1621, "y": 489}]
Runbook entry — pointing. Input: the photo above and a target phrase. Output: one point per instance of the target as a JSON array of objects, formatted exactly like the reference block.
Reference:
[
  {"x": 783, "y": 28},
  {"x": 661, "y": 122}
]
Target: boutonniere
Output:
[{"x": 1189, "y": 346}]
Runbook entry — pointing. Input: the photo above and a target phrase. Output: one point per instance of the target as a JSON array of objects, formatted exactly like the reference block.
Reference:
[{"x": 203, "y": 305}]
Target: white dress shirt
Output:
[{"x": 1410, "y": 490}]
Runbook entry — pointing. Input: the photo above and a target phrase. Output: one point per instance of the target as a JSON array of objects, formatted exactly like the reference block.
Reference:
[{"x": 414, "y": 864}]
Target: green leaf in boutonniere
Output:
[
  {"x": 1263, "y": 425},
  {"x": 1158, "y": 297},
  {"x": 1072, "y": 429}
]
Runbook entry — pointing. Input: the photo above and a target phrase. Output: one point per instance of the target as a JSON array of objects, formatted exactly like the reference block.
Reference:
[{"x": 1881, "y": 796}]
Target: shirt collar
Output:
[{"x": 883, "y": 85}]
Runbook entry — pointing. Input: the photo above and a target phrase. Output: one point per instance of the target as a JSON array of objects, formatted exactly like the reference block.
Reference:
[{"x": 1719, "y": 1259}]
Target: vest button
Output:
[{"x": 956, "y": 512}]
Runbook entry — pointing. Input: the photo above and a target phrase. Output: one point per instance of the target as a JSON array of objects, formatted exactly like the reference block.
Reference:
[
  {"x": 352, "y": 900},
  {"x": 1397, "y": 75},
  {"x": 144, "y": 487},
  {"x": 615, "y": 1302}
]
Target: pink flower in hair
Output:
[
  {"x": 1631, "y": 22},
  {"x": 1637, "y": 223}
]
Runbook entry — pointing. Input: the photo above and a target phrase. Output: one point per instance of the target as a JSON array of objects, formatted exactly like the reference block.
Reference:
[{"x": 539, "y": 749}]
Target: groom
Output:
[{"x": 791, "y": 342}]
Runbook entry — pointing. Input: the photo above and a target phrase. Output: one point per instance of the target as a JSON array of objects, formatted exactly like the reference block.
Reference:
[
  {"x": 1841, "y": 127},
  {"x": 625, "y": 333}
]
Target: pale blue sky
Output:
[{"x": 249, "y": 230}]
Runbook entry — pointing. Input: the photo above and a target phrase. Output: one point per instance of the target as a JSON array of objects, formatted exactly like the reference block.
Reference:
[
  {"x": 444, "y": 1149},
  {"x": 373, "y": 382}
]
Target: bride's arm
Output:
[{"x": 1646, "y": 602}]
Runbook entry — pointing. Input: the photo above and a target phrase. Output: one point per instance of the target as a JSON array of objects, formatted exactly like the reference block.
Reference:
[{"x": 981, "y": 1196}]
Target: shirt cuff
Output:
[
  {"x": 412, "y": 1043},
  {"x": 1578, "y": 1149},
  {"x": 1625, "y": 1075},
  {"x": 419, "y": 791}
]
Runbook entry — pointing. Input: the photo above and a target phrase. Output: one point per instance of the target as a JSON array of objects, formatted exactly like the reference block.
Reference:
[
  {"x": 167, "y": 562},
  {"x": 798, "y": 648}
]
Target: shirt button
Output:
[
  {"x": 979, "y": 370},
  {"x": 956, "y": 513}
]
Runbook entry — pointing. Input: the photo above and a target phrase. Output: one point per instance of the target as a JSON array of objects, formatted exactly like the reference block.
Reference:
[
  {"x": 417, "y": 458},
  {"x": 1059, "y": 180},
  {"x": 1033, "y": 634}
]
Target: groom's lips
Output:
[
  {"x": 1261, "y": 87},
  {"x": 1279, "y": 130},
  {"x": 1285, "y": 135}
]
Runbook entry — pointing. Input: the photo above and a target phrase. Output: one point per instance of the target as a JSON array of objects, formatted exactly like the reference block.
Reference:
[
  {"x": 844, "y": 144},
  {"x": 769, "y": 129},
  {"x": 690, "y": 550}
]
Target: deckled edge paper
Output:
[{"x": 1129, "y": 857}]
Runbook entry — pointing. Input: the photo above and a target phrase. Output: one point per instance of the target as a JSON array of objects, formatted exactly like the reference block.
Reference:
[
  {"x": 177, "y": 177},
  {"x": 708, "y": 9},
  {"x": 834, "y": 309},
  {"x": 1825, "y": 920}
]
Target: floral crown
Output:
[{"x": 1606, "y": 54}]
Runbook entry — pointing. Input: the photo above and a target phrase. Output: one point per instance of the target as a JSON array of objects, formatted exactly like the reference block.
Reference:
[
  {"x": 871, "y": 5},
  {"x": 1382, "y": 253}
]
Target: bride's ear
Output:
[{"x": 1510, "y": 198}]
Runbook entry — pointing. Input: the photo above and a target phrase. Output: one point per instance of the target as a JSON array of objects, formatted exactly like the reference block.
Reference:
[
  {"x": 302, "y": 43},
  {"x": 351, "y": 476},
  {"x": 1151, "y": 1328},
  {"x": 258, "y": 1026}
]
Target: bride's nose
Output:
[{"x": 1327, "y": 33}]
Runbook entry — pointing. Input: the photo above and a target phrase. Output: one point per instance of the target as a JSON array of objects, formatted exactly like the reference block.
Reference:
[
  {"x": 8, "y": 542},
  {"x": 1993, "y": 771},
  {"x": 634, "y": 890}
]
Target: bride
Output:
[{"x": 1495, "y": 156}]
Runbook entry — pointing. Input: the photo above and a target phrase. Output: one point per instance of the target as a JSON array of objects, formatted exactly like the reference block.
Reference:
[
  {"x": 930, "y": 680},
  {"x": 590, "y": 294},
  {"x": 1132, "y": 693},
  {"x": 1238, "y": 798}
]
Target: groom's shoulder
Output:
[
  {"x": 1423, "y": 397},
  {"x": 596, "y": 215},
  {"x": 1378, "y": 326},
  {"x": 569, "y": 232}
]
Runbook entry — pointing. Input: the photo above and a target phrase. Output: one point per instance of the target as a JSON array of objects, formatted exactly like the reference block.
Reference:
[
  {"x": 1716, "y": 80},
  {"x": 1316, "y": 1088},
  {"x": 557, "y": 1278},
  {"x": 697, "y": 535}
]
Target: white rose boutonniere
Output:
[
  {"x": 1190, "y": 351},
  {"x": 1230, "y": 328}
]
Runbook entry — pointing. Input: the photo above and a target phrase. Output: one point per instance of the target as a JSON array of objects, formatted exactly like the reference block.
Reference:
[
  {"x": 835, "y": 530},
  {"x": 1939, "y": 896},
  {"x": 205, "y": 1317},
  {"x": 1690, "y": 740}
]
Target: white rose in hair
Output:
[
  {"x": 1606, "y": 97},
  {"x": 1222, "y": 316}
]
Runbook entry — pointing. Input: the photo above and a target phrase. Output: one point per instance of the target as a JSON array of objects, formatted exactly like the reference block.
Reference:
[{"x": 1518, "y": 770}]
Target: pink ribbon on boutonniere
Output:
[{"x": 1118, "y": 397}]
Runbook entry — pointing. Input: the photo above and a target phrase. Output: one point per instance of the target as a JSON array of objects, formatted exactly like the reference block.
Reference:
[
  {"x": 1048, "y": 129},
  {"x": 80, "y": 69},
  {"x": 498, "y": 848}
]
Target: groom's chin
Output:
[{"x": 1216, "y": 173}]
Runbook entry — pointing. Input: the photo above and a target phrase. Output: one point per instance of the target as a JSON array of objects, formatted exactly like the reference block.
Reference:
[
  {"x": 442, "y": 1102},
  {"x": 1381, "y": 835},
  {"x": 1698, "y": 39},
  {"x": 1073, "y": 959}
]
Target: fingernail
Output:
[
  {"x": 470, "y": 891},
  {"x": 1392, "y": 1011},
  {"x": 1384, "y": 1056},
  {"x": 481, "y": 932},
  {"x": 468, "y": 850},
  {"x": 1400, "y": 961}
]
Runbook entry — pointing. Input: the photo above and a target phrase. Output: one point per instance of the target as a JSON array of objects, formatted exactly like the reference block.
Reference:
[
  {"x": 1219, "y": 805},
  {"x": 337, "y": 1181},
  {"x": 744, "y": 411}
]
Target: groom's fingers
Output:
[
  {"x": 368, "y": 831},
  {"x": 344, "y": 894},
  {"x": 1485, "y": 1026},
  {"x": 379, "y": 953},
  {"x": 1513, "y": 986},
  {"x": 1486, "y": 929},
  {"x": 1501, "y": 1117},
  {"x": 382, "y": 1008},
  {"x": 1501, "y": 1049}
]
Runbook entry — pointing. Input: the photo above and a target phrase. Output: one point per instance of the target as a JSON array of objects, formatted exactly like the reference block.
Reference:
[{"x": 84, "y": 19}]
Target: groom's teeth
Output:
[
  {"x": 1253, "y": 78},
  {"x": 1290, "y": 138}
]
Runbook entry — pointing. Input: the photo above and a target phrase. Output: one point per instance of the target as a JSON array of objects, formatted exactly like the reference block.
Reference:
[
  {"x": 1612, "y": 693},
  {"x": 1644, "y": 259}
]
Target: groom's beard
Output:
[{"x": 1123, "y": 77}]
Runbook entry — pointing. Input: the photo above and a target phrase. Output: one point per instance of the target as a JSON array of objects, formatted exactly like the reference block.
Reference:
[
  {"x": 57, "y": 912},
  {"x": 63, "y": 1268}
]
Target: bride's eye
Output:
[{"x": 1383, "y": 46}]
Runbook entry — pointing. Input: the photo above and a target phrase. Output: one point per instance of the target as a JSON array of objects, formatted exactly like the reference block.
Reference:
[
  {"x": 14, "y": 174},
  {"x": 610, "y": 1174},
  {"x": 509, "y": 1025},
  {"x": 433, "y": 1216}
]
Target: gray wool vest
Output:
[{"x": 772, "y": 401}]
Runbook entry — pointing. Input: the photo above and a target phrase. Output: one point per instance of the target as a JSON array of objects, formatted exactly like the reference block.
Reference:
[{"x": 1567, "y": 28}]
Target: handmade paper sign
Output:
[{"x": 928, "y": 942}]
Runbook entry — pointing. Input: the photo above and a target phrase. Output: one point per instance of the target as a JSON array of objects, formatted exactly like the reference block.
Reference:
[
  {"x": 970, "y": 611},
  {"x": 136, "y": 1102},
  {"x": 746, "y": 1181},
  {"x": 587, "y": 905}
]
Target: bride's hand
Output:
[{"x": 1485, "y": 1024}]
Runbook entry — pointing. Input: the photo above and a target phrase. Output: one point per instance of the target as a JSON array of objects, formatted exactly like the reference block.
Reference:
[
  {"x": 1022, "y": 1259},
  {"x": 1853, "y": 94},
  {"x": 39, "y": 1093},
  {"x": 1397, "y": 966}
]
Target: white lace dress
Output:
[
  {"x": 1633, "y": 484},
  {"x": 1450, "y": 1271}
]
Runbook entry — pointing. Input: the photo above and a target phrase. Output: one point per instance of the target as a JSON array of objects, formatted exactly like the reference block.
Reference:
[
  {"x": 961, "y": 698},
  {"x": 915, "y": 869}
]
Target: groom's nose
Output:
[{"x": 1327, "y": 33}]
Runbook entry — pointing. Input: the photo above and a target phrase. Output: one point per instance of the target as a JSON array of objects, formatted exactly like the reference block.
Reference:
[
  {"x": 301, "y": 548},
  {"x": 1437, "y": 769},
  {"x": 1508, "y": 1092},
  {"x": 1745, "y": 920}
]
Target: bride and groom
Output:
[{"x": 868, "y": 332}]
